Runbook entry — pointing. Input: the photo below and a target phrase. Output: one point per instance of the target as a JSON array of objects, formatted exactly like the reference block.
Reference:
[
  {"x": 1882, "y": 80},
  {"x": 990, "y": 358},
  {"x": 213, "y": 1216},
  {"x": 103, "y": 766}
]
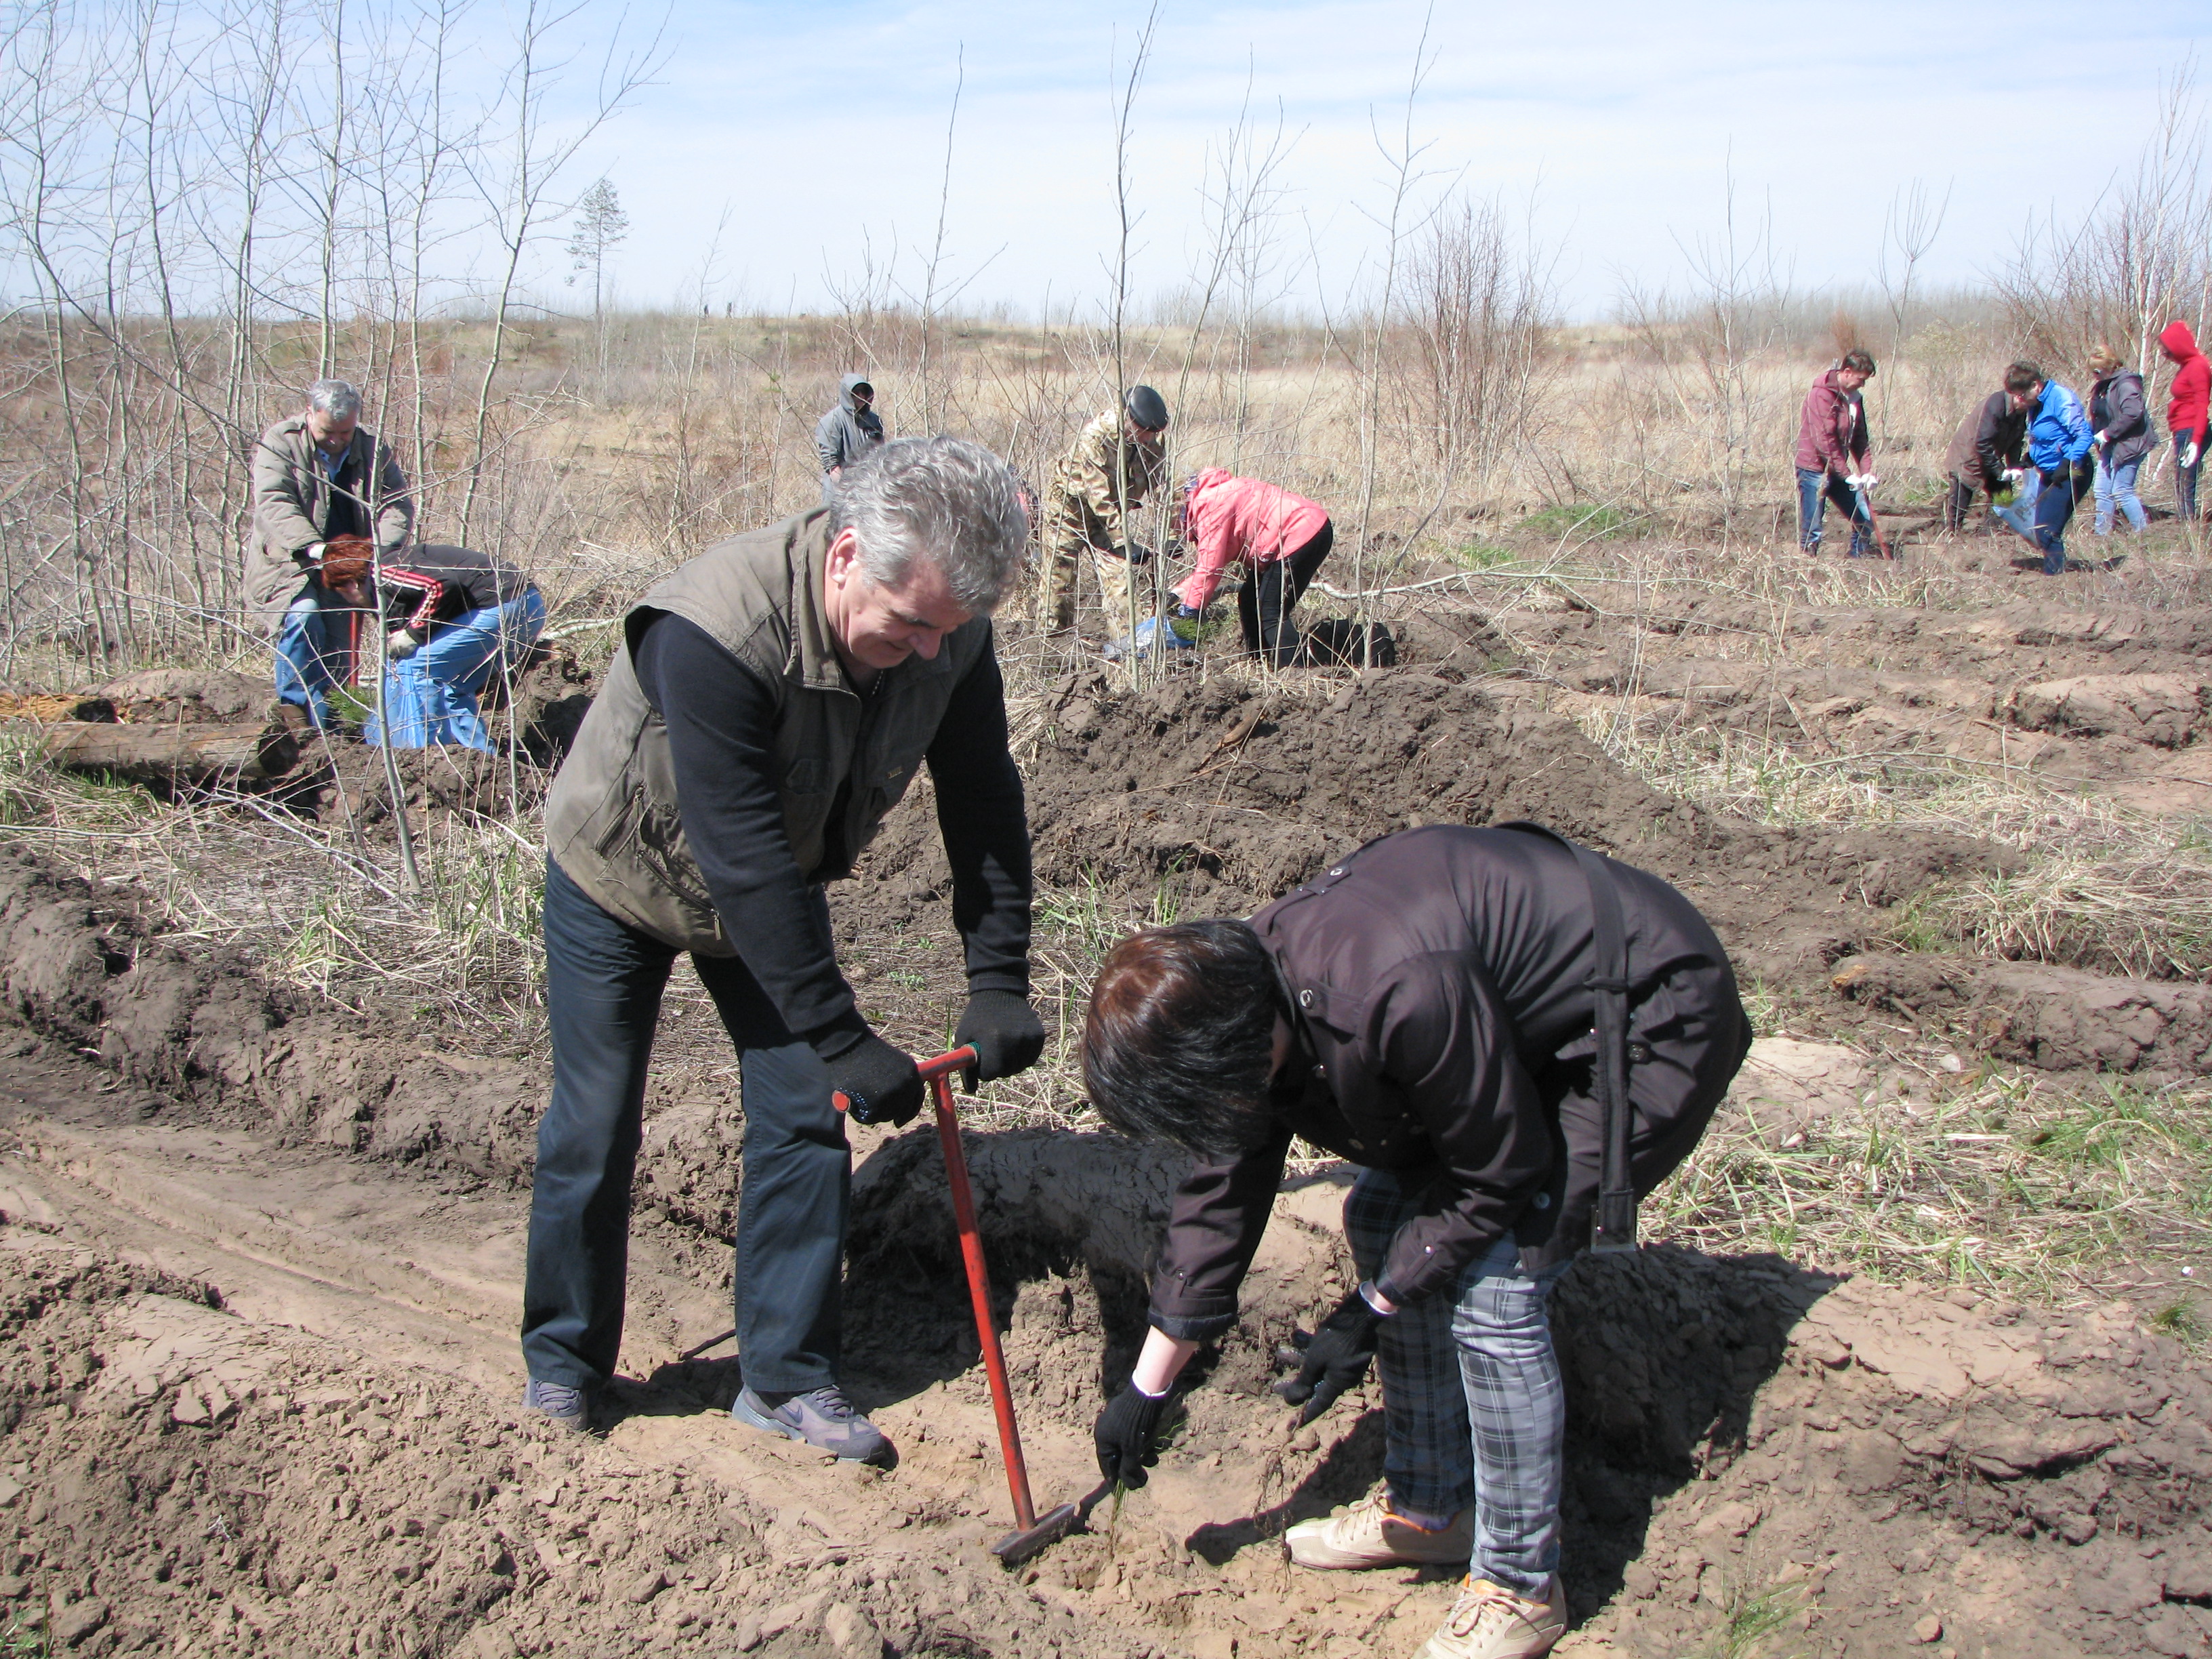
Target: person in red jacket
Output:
[
  {"x": 1832, "y": 454},
  {"x": 2185, "y": 411},
  {"x": 1280, "y": 538}
]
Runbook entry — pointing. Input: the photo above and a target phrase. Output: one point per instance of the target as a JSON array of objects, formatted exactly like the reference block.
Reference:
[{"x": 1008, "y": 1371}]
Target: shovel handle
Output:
[
  {"x": 937, "y": 1074},
  {"x": 945, "y": 1064},
  {"x": 942, "y": 1065},
  {"x": 979, "y": 1284}
]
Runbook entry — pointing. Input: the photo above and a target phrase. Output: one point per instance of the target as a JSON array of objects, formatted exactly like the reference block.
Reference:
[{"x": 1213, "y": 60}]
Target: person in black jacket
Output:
[
  {"x": 1986, "y": 452},
  {"x": 1425, "y": 1009},
  {"x": 2121, "y": 421}
]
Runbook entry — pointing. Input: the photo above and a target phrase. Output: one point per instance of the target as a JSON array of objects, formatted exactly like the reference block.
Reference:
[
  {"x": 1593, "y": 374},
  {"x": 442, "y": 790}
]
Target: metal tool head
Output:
[{"x": 1016, "y": 1548}]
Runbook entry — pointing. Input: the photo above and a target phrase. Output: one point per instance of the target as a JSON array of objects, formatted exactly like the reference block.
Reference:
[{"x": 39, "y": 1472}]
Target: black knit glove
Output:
[
  {"x": 1127, "y": 1436},
  {"x": 1137, "y": 553},
  {"x": 879, "y": 1083},
  {"x": 1333, "y": 1360},
  {"x": 1006, "y": 1032}
]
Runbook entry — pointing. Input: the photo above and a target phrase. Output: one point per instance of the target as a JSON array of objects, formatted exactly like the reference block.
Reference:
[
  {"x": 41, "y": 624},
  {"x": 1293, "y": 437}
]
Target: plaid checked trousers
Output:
[{"x": 1473, "y": 1406}]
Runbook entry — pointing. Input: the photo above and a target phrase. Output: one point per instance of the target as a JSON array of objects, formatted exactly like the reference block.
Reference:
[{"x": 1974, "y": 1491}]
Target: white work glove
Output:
[
  {"x": 1862, "y": 480},
  {"x": 2099, "y": 439},
  {"x": 315, "y": 552},
  {"x": 2013, "y": 474},
  {"x": 2189, "y": 456},
  {"x": 401, "y": 644}
]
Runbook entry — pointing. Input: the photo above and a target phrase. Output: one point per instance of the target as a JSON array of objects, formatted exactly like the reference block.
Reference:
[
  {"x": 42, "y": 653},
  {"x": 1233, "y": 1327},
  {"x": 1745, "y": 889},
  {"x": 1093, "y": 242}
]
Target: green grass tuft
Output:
[
  {"x": 1580, "y": 521},
  {"x": 2180, "y": 1321},
  {"x": 1749, "y": 1618},
  {"x": 1484, "y": 555}
]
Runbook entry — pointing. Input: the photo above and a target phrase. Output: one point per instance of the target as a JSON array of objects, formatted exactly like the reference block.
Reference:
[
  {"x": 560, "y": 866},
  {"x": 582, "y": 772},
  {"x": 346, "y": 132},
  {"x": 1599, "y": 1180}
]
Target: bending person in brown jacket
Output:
[{"x": 1425, "y": 1008}]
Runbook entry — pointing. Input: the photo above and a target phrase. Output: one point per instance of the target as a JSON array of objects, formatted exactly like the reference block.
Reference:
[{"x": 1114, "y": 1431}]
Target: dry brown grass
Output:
[{"x": 1991, "y": 1178}]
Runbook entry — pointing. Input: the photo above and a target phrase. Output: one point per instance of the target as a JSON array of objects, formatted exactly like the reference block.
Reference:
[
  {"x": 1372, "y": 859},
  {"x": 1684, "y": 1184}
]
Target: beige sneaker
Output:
[
  {"x": 1490, "y": 1622},
  {"x": 1370, "y": 1534}
]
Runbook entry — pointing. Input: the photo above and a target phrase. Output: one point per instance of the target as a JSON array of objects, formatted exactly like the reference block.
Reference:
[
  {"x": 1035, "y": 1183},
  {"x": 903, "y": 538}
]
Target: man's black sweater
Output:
[{"x": 720, "y": 719}]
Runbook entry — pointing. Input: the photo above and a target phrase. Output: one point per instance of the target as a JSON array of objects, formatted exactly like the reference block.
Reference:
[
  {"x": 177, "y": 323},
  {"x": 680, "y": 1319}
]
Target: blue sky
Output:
[{"x": 820, "y": 131}]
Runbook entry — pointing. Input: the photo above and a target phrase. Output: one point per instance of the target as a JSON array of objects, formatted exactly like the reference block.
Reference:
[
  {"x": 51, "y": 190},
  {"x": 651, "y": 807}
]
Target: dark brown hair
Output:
[
  {"x": 1861, "y": 360},
  {"x": 2023, "y": 377},
  {"x": 1180, "y": 1033}
]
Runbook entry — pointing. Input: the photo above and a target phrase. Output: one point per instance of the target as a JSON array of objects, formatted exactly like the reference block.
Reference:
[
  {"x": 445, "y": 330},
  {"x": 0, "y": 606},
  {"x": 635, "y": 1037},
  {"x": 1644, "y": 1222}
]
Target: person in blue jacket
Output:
[{"x": 2058, "y": 444}]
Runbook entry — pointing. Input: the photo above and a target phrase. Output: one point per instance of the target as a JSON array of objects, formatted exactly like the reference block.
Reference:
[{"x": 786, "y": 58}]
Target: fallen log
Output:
[{"x": 173, "y": 754}]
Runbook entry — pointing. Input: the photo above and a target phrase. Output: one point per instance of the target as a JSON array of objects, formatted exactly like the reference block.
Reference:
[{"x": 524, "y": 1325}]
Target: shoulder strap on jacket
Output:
[{"x": 1614, "y": 1228}]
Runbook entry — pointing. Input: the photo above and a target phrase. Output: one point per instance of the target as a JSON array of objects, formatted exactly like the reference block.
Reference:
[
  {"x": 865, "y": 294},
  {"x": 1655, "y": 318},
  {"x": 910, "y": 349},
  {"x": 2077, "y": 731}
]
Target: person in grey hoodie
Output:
[
  {"x": 848, "y": 431},
  {"x": 2121, "y": 423}
]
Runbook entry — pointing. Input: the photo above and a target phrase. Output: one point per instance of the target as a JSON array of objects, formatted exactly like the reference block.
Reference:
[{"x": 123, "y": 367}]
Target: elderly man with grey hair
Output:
[
  {"x": 317, "y": 475},
  {"x": 766, "y": 705}
]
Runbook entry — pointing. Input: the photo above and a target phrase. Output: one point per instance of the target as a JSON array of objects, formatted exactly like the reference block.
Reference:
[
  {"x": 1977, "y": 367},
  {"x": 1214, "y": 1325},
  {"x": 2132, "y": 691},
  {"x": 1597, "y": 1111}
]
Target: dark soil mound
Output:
[{"x": 1226, "y": 794}]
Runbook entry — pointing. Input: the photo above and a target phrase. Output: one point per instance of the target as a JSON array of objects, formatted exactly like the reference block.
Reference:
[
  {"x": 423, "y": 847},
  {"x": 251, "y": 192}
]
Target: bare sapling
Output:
[
  {"x": 515, "y": 184},
  {"x": 1401, "y": 162},
  {"x": 1124, "y": 102}
]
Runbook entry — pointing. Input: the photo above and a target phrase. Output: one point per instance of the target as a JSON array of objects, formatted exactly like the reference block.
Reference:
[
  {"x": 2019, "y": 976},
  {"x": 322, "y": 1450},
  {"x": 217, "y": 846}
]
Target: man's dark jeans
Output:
[
  {"x": 602, "y": 985},
  {"x": 2184, "y": 477},
  {"x": 2054, "y": 511},
  {"x": 1272, "y": 591},
  {"x": 1815, "y": 490}
]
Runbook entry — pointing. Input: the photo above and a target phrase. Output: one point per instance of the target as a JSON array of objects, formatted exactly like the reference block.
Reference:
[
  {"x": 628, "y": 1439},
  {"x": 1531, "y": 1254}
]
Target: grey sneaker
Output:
[
  {"x": 567, "y": 1406},
  {"x": 822, "y": 1417}
]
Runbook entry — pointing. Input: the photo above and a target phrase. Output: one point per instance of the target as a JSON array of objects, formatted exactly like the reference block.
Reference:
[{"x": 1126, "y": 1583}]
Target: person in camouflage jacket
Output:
[{"x": 1114, "y": 464}]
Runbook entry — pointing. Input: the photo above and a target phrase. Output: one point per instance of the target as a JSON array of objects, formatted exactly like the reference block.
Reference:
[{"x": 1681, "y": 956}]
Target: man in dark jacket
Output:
[
  {"x": 1986, "y": 453},
  {"x": 848, "y": 433},
  {"x": 1425, "y": 1009},
  {"x": 767, "y": 703},
  {"x": 1832, "y": 454}
]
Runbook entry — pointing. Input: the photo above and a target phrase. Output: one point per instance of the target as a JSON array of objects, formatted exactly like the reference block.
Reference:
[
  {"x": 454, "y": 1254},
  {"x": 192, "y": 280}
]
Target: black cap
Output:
[{"x": 1147, "y": 408}]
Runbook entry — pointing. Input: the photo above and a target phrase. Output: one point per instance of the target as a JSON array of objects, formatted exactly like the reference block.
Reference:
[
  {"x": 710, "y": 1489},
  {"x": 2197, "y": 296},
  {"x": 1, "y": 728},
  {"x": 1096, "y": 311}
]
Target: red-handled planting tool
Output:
[{"x": 1032, "y": 1535}]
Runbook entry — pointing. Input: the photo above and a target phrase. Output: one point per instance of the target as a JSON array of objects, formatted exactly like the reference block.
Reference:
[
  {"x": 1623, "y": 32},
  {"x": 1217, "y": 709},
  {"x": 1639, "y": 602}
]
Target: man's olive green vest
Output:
[{"x": 611, "y": 822}]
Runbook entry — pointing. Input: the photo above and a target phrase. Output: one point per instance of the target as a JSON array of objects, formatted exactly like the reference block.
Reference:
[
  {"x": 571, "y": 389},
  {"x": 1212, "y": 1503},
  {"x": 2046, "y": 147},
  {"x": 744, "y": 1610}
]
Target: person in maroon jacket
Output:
[
  {"x": 2186, "y": 401},
  {"x": 1428, "y": 1009},
  {"x": 1832, "y": 454}
]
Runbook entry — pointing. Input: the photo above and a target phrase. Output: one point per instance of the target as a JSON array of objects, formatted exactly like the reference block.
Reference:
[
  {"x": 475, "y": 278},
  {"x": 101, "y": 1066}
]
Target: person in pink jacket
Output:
[{"x": 1281, "y": 538}]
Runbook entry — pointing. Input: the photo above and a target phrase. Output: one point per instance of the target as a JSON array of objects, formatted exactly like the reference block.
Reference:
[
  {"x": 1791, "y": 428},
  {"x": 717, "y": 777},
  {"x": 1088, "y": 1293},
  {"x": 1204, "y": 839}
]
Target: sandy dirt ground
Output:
[{"x": 260, "y": 1257}]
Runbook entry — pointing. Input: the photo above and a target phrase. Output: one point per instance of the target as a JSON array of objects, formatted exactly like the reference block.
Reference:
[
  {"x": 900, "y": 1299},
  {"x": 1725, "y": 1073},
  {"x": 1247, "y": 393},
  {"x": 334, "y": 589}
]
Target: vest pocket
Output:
[
  {"x": 620, "y": 826},
  {"x": 661, "y": 845}
]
